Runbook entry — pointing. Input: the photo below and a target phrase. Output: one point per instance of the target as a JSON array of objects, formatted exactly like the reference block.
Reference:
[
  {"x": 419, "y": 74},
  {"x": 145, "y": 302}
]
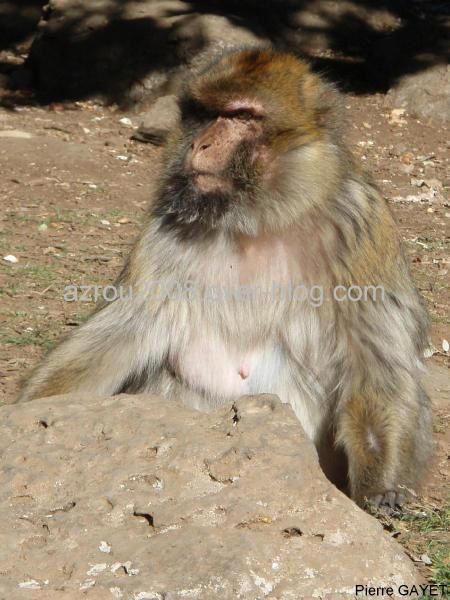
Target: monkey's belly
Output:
[{"x": 209, "y": 366}]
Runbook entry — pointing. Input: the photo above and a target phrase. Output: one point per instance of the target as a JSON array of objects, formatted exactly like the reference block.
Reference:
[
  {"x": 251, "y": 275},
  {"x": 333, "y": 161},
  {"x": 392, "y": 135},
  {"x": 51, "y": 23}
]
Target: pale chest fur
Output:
[{"x": 241, "y": 331}]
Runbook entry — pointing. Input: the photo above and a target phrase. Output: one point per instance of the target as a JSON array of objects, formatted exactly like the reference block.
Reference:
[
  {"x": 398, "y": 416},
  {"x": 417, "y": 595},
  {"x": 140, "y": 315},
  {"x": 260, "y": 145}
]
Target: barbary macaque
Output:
[{"x": 259, "y": 195}]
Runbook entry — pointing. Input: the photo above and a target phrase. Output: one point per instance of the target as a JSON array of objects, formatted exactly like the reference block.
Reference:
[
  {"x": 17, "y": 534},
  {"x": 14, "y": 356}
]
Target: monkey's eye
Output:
[
  {"x": 241, "y": 114},
  {"x": 244, "y": 109}
]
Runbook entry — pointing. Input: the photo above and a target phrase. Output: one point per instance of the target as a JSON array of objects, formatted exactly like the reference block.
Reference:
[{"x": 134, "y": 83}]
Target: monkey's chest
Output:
[
  {"x": 207, "y": 364},
  {"x": 230, "y": 343}
]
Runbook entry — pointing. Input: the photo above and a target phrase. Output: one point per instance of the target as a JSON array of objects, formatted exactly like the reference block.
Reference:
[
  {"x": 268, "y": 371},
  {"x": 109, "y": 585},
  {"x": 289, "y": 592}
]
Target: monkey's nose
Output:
[
  {"x": 206, "y": 154},
  {"x": 200, "y": 147}
]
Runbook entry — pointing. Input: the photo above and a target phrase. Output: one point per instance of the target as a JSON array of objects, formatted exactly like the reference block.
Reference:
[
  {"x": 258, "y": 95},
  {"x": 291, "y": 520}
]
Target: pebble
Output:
[
  {"x": 11, "y": 258},
  {"x": 104, "y": 547},
  {"x": 417, "y": 182},
  {"x": 97, "y": 569},
  {"x": 15, "y": 133},
  {"x": 396, "y": 116},
  {"x": 32, "y": 584},
  {"x": 126, "y": 121}
]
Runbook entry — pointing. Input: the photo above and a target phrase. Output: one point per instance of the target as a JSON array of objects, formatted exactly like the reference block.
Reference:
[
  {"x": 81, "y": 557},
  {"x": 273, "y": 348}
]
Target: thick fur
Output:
[{"x": 350, "y": 367}]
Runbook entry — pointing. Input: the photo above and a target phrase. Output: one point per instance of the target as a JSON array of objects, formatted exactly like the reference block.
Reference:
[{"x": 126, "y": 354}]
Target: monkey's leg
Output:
[
  {"x": 114, "y": 347},
  {"x": 387, "y": 442}
]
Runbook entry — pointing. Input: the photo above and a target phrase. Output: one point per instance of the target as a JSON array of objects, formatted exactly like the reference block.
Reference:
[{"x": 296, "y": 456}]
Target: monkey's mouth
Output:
[{"x": 211, "y": 182}]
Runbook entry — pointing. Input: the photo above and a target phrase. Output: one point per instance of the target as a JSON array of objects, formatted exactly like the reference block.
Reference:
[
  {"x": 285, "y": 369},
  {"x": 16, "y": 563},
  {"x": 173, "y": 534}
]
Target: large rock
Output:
[
  {"x": 159, "y": 121},
  {"x": 424, "y": 95},
  {"x": 138, "y": 498}
]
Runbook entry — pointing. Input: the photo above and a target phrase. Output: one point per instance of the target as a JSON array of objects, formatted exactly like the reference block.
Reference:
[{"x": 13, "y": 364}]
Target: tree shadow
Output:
[
  {"x": 18, "y": 20},
  {"x": 100, "y": 52},
  {"x": 364, "y": 45}
]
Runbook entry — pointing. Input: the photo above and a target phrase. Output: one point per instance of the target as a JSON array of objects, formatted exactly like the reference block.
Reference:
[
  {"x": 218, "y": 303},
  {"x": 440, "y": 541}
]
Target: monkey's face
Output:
[
  {"x": 240, "y": 120},
  {"x": 219, "y": 163}
]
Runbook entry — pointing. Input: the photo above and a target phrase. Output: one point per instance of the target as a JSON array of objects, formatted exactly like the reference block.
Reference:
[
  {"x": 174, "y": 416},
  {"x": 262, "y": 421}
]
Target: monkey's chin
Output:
[{"x": 209, "y": 182}]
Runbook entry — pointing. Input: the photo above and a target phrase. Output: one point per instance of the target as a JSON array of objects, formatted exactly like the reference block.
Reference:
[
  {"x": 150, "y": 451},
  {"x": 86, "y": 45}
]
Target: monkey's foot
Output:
[{"x": 391, "y": 501}]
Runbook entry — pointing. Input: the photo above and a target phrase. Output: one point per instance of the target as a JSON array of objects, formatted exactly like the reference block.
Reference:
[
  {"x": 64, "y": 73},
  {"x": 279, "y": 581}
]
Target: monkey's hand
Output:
[{"x": 390, "y": 502}]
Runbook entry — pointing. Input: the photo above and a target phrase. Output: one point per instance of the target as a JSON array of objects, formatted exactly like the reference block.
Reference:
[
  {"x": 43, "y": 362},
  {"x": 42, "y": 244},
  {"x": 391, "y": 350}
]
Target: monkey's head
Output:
[{"x": 252, "y": 147}]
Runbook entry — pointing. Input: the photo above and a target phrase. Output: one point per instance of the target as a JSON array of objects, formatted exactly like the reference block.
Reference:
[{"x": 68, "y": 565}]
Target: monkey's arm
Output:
[
  {"x": 117, "y": 344},
  {"x": 383, "y": 421}
]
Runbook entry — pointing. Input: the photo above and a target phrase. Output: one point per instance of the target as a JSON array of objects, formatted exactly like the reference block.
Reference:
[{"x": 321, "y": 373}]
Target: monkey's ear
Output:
[
  {"x": 320, "y": 101},
  {"x": 328, "y": 108}
]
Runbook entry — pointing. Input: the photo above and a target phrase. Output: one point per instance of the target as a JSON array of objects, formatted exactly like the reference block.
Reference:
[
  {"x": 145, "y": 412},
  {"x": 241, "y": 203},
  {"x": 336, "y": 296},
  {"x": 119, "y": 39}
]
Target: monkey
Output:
[{"x": 257, "y": 191}]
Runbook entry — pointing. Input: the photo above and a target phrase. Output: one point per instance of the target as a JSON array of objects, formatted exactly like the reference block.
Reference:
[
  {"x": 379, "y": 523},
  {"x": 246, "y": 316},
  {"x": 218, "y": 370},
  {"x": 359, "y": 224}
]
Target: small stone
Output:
[
  {"x": 407, "y": 157},
  {"x": 11, "y": 259},
  {"x": 126, "y": 122},
  {"x": 15, "y": 133},
  {"x": 87, "y": 584},
  {"x": 396, "y": 116},
  {"x": 119, "y": 569},
  {"x": 104, "y": 547},
  {"x": 32, "y": 584},
  {"x": 417, "y": 182},
  {"x": 445, "y": 345},
  {"x": 50, "y": 250},
  {"x": 97, "y": 569}
]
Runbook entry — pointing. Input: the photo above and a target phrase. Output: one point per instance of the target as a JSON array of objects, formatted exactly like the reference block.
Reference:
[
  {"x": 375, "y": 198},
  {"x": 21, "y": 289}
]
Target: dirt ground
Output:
[{"x": 74, "y": 190}]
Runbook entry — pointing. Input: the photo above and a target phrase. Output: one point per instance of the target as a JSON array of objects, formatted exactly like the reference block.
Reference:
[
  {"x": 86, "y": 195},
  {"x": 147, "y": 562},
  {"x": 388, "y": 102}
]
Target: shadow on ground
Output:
[
  {"x": 85, "y": 49},
  {"x": 18, "y": 19}
]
